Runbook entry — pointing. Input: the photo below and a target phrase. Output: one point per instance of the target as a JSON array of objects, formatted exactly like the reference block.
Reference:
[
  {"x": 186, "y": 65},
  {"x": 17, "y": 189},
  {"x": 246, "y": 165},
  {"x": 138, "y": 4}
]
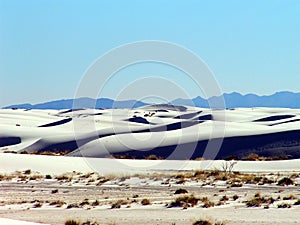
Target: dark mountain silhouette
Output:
[
  {"x": 233, "y": 100},
  {"x": 236, "y": 100},
  {"x": 104, "y": 103}
]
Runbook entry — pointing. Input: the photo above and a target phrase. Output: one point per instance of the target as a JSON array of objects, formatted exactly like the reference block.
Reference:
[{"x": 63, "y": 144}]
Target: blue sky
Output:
[{"x": 47, "y": 45}]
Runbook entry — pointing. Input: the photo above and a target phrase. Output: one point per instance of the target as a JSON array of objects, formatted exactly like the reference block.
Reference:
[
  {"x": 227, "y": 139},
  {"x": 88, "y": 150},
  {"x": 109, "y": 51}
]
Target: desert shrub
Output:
[
  {"x": 54, "y": 191},
  {"x": 27, "y": 172},
  {"x": 35, "y": 177},
  {"x": 224, "y": 198},
  {"x": 90, "y": 223},
  {"x": 180, "y": 181},
  {"x": 208, "y": 204},
  {"x": 102, "y": 181},
  {"x": 152, "y": 157},
  {"x": 48, "y": 177},
  {"x": 63, "y": 178},
  {"x": 290, "y": 197},
  {"x": 83, "y": 203},
  {"x": 72, "y": 222},
  {"x": 145, "y": 201},
  {"x": 184, "y": 201},
  {"x": 57, "y": 203},
  {"x": 235, "y": 197},
  {"x": 202, "y": 222},
  {"x": 37, "y": 205},
  {"x": 257, "y": 201},
  {"x": 118, "y": 204},
  {"x": 236, "y": 184},
  {"x": 297, "y": 202},
  {"x": 283, "y": 206},
  {"x": 180, "y": 191},
  {"x": 252, "y": 157},
  {"x": 73, "y": 205},
  {"x": 95, "y": 203},
  {"x": 285, "y": 181}
]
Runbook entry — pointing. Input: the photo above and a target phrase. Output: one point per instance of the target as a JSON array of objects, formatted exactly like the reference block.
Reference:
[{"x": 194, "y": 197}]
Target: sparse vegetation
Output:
[
  {"x": 235, "y": 197},
  {"x": 227, "y": 166},
  {"x": 202, "y": 222},
  {"x": 54, "y": 191},
  {"x": 258, "y": 200},
  {"x": 72, "y": 222},
  {"x": 284, "y": 206},
  {"x": 48, "y": 177},
  {"x": 145, "y": 201},
  {"x": 180, "y": 191},
  {"x": 285, "y": 181},
  {"x": 118, "y": 204},
  {"x": 206, "y": 222},
  {"x": 57, "y": 203},
  {"x": 297, "y": 202},
  {"x": 73, "y": 205},
  {"x": 185, "y": 201}
]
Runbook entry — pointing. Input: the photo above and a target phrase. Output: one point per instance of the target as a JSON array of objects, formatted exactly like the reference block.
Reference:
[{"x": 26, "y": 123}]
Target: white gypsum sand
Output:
[{"x": 121, "y": 131}]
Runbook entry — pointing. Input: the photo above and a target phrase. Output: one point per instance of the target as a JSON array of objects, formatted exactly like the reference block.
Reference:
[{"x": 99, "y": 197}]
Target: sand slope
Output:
[{"x": 153, "y": 130}]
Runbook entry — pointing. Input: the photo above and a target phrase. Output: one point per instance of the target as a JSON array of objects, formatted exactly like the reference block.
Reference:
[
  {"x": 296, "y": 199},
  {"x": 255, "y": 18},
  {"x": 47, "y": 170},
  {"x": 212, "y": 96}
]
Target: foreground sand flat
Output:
[{"x": 66, "y": 192}]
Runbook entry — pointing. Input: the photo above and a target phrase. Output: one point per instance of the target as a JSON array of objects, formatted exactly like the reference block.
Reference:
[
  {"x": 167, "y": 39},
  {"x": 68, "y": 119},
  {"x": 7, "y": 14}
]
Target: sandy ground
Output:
[{"x": 29, "y": 199}]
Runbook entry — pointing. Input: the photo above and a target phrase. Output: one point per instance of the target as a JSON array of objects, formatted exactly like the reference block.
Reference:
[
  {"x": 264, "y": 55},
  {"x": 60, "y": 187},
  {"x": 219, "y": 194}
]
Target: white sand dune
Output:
[{"x": 139, "y": 131}]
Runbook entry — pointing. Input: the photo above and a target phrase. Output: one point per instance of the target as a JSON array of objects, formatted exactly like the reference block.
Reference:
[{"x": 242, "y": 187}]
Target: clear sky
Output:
[{"x": 46, "y": 45}]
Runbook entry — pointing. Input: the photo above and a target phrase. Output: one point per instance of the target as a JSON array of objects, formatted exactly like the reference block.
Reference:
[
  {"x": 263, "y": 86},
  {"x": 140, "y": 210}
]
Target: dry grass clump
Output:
[
  {"x": 154, "y": 157},
  {"x": 258, "y": 200},
  {"x": 184, "y": 201},
  {"x": 284, "y": 206},
  {"x": 206, "y": 222},
  {"x": 64, "y": 177},
  {"x": 145, "y": 201},
  {"x": 102, "y": 181},
  {"x": 72, "y": 205},
  {"x": 202, "y": 222},
  {"x": 235, "y": 197},
  {"x": 297, "y": 202},
  {"x": 57, "y": 203},
  {"x": 37, "y": 205},
  {"x": 207, "y": 203},
  {"x": 285, "y": 181},
  {"x": 7, "y": 177},
  {"x": 95, "y": 203},
  {"x": 76, "y": 222},
  {"x": 289, "y": 197},
  {"x": 224, "y": 198},
  {"x": 48, "y": 177},
  {"x": 84, "y": 202},
  {"x": 72, "y": 222},
  {"x": 118, "y": 204},
  {"x": 180, "y": 191}
]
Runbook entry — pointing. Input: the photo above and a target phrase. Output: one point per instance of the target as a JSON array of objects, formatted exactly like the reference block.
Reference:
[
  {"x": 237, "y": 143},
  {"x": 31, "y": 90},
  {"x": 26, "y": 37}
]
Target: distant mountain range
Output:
[{"x": 233, "y": 100}]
